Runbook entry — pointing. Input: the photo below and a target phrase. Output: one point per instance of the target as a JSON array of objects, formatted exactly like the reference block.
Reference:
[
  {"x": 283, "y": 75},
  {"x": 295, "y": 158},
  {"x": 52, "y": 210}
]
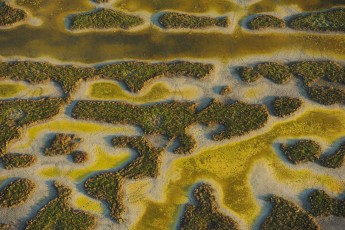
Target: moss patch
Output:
[
  {"x": 16, "y": 160},
  {"x": 104, "y": 19},
  {"x": 58, "y": 213},
  {"x": 16, "y": 193},
  {"x": 263, "y": 21},
  {"x": 286, "y": 215},
  {"x": 173, "y": 20},
  {"x": 205, "y": 213},
  {"x": 10, "y": 15},
  {"x": 321, "y": 204},
  {"x": 277, "y": 72},
  {"x": 172, "y": 119},
  {"x": 332, "y": 20},
  {"x": 334, "y": 160},
  {"x": 302, "y": 151},
  {"x": 284, "y": 106},
  {"x": 62, "y": 144}
]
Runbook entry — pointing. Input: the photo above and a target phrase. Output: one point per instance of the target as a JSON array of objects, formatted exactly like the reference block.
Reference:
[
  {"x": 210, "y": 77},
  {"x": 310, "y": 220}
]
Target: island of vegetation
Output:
[
  {"x": 17, "y": 192},
  {"x": 17, "y": 160},
  {"x": 264, "y": 21},
  {"x": 285, "y": 106},
  {"x": 10, "y": 15}
]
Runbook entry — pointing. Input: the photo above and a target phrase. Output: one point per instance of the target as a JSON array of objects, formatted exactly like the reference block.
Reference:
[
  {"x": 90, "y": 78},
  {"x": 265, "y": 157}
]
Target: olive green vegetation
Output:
[
  {"x": 326, "y": 95},
  {"x": 173, "y": 20},
  {"x": 15, "y": 114},
  {"x": 108, "y": 186},
  {"x": 9, "y": 90},
  {"x": 277, "y": 72},
  {"x": 62, "y": 144},
  {"x": 334, "y": 160},
  {"x": 263, "y": 21},
  {"x": 321, "y": 204},
  {"x": 58, "y": 214},
  {"x": 104, "y": 19},
  {"x": 133, "y": 74},
  {"x": 5, "y": 226},
  {"x": 10, "y": 15},
  {"x": 173, "y": 118},
  {"x": 308, "y": 71},
  {"x": 284, "y": 106},
  {"x": 100, "y": 1},
  {"x": 225, "y": 90},
  {"x": 205, "y": 213},
  {"x": 332, "y": 20},
  {"x": 249, "y": 74},
  {"x": 79, "y": 157},
  {"x": 16, "y": 192},
  {"x": 17, "y": 160},
  {"x": 302, "y": 151},
  {"x": 287, "y": 215}
]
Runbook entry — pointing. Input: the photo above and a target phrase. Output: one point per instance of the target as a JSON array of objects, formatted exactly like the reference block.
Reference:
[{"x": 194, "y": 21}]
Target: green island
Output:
[
  {"x": 286, "y": 215},
  {"x": 68, "y": 76},
  {"x": 174, "y": 20},
  {"x": 285, "y": 106},
  {"x": 16, "y": 192},
  {"x": 302, "y": 151},
  {"x": 16, "y": 160},
  {"x": 62, "y": 144},
  {"x": 79, "y": 157},
  {"x": 108, "y": 186},
  {"x": 10, "y": 15},
  {"x": 172, "y": 119},
  {"x": 321, "y": 204},
  {"x": 334, "y": 160},
  {"x": 58, "y": 214},
  {"x": 264, "y": 21},
  {"x": 332, "y": 20},
  {"x": 104, "y": 19},
  {"x": 205, "y": 214}
]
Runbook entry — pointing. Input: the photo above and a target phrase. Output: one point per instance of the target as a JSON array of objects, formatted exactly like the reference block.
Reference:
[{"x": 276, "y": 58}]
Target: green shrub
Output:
[
  {"x": 332, "y": 20},
  {"x": 108, "y": 186},
  {"x": 104, "y": 19},
  {"x": 322, "y": 204},
  {"x": 326, "y": 95},
  {"x": 286, "y": 215},
  {"x": 277, "y": 72},
  {"x": 173, "y": 118},
  {"x": 10, "y": 15},
  {"x": 334, "y": 160},
  {"x": 58, "y": 214},
  {"x": 302, "y": 151},
  {"x": 62, "y": 144},
  {"x": 249, "y": 74},
  {"x": 173, "y": 20},
  {"x": 260, "y": 22},
  {"x": 284, "y": 106},
  {"x": 16, "y": 193},
  {"x": 16, "y": 160},
  {"x": 205, "y": 213}
]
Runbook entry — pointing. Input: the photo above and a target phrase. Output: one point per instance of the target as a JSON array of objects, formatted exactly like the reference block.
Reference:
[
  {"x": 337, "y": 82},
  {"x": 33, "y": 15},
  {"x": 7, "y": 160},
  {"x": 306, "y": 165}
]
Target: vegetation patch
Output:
[
  {"x": 16, "y": 193},
  {"x": 334, "y": 160},
  {"x": 173, "y": 118},
  {"x": 58, "y": 214},
  {"x": 104, "y": 19},
  {"x": 16, "y": 160},
  {"x": 108, "y": 186},
  {"x": 205, "y": 214},
  {"x": 326, "y": 95},
  {"x": 173, "y": 20},
  {"x": 10, "y": 15},
  {"x": 100, "y": 1},
  {"x": 284, "y": 106},
  {"x": 249, "y": 74},
  {"x": 277, "y": 72},
  {"x": 133, "y": 74},
  {"x": 265, "y": 21},
  {"x": 5, "y": 226},
  {"x": 79, "y": 157},
  {"x": 62, "y": 144},
  {"x": 302, "y": 151},
  {"x": 15, "y": 114},
  {"x": 322, "y": 204},
  {"x": 332, "y": 20},
  {"x": 286, "y": 215}
]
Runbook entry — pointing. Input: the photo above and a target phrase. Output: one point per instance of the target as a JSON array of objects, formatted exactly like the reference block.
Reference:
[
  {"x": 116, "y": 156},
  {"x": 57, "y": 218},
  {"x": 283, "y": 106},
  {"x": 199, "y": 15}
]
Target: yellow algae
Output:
[
  {"x": 103, "y": 161},
  {"x": 157, "y": 92},
  {"x": 67, "y": 125},
  {"x": 10, "y": 89},
  {"x": 86, "y": 203},
  {"x": 230, "y": 167},
  {"x": 253, "y": 93}
]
